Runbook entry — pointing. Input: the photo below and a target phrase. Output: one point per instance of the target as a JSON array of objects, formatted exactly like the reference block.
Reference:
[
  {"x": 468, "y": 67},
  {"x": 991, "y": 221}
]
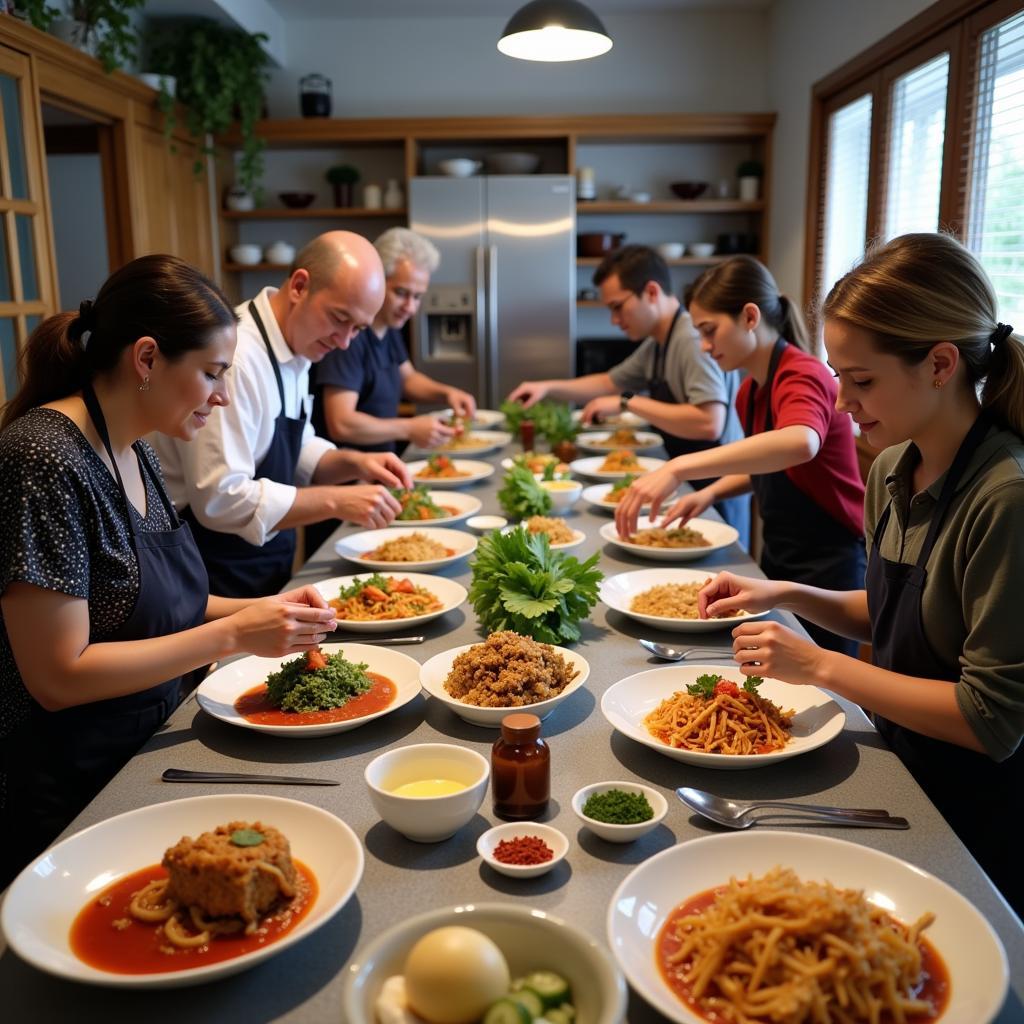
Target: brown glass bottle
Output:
[
  {"x": 520, "y": 769},
  {"x": 526, "y": 435}
]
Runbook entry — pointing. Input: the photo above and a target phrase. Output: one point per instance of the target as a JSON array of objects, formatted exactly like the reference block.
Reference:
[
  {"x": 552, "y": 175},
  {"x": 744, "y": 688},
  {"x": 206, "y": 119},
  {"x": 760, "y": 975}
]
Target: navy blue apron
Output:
[
  {"x": 972, "y": 792},
  {"x": 57, "y": 761},
  {"x": 236, "y": 567},
  {"x": 802, "y": 542}
]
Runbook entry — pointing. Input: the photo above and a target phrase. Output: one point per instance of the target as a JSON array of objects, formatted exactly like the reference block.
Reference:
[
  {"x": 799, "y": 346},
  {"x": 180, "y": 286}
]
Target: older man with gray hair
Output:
[{"x": 358, "y": 389}]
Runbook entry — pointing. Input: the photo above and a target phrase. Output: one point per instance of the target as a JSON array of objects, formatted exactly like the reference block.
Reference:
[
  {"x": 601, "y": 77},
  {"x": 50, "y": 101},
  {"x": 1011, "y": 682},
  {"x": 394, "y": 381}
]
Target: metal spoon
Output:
[
  {"x": 670, "y": 653},
  {"x": 732, "y": 813}
]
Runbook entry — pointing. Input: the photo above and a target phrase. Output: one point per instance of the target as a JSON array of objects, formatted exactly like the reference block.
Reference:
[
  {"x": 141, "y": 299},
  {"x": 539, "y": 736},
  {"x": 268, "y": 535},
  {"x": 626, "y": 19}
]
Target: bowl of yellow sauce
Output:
[{"x": 564, "y": 493}]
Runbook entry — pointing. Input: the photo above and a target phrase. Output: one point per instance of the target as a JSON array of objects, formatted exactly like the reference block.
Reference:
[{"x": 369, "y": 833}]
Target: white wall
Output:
[
  {"x": 702, "y": 61},
  {"x": 808, "y": 40}
]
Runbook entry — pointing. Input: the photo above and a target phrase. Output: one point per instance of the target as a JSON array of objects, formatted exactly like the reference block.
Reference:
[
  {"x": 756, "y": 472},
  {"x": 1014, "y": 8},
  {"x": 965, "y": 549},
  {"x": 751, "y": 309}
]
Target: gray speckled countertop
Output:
[{"x": 303, "y": 984}]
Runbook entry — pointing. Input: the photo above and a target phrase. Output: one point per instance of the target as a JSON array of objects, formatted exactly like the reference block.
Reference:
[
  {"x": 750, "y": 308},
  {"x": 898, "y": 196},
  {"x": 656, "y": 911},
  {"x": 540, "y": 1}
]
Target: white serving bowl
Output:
[
  {"x": 45, "y": 898},
  {"x": 720, "y": 534},
  {"x": 702, "y": 250},
  {"x": 530, "y": 939},
  {"x": 435, "y": 671},
  {"x": 476, "y": 471},
  {"x": 512, "y": 163},
  {"x": 448, "y": 592},
  {"x": 564, "y": 493},
  {"x": 670, "y": 250},
  {"x": 246, "y": 254},
  {"x": 427, "y": 819},
  {"x": 971, "y": 950},
  {"x": 484, "y": 524},
  {"x": 356, "y": 547},
  {"x": 459, "y": 167},
  {"x": 556, "y": 841},
  {"x": 620, "y": 833}
]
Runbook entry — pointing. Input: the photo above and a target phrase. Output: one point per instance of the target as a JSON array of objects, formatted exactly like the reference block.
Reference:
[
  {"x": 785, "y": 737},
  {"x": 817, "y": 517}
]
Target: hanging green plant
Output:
[
  {"x": 220, "y": 73},
  {"x": 104, "y": 27}
]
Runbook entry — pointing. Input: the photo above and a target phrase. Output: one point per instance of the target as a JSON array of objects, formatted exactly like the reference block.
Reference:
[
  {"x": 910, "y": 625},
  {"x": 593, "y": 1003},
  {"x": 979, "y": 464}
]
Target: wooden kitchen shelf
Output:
[
  {"x": 245, "y": 268},
  {"x": 671, "y": 206},
  {"x": 313, "y": 212},
  {"x": 682, "y": 261}
]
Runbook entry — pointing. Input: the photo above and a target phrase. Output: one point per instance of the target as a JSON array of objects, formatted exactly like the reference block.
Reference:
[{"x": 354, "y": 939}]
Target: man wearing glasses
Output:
[
  {"x": 686, "y": 397},
  {"x": 358, "y": 390}
]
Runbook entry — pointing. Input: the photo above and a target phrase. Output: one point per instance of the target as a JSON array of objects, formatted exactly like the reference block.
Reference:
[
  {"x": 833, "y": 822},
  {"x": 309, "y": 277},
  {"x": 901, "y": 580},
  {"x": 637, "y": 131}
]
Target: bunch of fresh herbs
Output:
[{"x": 522, "y": 496}]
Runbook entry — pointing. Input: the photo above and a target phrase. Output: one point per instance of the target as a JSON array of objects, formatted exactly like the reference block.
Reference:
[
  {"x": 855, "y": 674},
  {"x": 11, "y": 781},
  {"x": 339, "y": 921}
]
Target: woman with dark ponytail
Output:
[
  {"x": 933, "y": 378},
  {"x": 798, "y": 456},
  {"x": 104, "y": 601}
]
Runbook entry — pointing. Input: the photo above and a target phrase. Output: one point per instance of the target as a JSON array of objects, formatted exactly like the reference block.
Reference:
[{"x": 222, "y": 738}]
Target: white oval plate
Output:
[
  {"x": 588, "y": 467},
  {"x": 486, "y": 419},
  {"x": 595, "y": 494},
  {"x": 627, "y": 703},
  {"x": 448, "y": 592},
  {"x": 978, "y": 971},
  {"x": 355, "y": 547},
  {"x": 619, "y": 419},
  {"x": 45, "y": 898},
  {"x": 476, "y": 471},
  {"x": 434, "y": 672},
  {"x": 218, "y": 692},
  {"x": 578, "y": 537},
  {"x": 618, "y": 592},
  {"x": 489, "y": 441},
  {"x": 508, "y": 463},
  {"x": 598, "y": 442},
  {"x": 720, "y": 534},
  {"x": 465, "y": 505}
]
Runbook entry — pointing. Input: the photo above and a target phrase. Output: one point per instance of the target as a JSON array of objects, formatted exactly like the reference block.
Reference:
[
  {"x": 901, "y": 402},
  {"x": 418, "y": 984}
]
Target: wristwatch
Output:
[{"x": 624, "y": 400}]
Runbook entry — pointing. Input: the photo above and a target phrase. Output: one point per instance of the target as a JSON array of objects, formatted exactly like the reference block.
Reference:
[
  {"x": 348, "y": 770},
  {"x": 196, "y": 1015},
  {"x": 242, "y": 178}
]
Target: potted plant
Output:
[
  {"x": 343, "y": 177},
  {"x": 559, "y": 429},
  {"x": 749, "y": 174},
  {"x": 38, "y": 13},
  {"x": 102, "y": 28},
  {"x": 220, "y": 72}
]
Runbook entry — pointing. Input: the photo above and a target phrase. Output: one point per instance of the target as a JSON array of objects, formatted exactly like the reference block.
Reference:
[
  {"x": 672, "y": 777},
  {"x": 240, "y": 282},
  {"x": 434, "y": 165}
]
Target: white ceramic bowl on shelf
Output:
[
  {"x": 459, "y": 167},
  {"x": 702, "y": 250},
  {"x": 246, "y": 253},
  {"x": 670, "y": 250}
]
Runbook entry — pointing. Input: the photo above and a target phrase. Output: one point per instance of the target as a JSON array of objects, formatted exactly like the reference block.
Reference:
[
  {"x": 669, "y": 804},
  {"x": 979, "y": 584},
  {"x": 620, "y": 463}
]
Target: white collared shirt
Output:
[{"x": 215, "y": 474}]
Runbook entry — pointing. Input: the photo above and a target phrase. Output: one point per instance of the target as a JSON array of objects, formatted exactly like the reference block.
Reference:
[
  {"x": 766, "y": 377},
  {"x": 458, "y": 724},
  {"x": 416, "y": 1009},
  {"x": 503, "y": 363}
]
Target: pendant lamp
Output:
[{"x": 554, "y": 30}]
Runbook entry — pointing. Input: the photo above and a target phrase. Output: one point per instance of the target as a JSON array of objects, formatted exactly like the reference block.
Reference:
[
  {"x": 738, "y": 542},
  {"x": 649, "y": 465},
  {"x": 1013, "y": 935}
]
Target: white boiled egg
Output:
[{"x": 453, "y": 974}]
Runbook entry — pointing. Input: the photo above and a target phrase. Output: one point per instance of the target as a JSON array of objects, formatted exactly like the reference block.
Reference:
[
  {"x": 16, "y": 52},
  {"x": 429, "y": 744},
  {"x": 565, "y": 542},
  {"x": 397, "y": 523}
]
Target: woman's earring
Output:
[
  {"x": 144, "y": 386},
  {"x": 935, "y": 383}
]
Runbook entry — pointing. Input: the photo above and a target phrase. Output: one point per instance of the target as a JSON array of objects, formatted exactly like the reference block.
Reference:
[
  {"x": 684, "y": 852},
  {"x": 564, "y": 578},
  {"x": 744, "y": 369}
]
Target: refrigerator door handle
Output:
[
  {"x": 480, "y": 325},
  {"x": 494, "y": 399}
]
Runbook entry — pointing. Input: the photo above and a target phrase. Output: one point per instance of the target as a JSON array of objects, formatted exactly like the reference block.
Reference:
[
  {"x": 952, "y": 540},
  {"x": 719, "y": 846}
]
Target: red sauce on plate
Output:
[
  {"x": 254, "y": 707},
  {"x": 934, "y": 985},
  {"x": 141, "y": 948}
]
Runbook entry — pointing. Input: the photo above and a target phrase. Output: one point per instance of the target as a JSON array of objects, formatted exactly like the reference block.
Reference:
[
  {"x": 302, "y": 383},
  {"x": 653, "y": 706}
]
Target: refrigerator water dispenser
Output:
[{"x": 448, "y": 312}]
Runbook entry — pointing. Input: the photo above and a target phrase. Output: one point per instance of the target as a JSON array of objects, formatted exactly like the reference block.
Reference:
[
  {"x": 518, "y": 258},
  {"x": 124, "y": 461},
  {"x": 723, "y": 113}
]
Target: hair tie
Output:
[{"x": 1000, "y": 334}]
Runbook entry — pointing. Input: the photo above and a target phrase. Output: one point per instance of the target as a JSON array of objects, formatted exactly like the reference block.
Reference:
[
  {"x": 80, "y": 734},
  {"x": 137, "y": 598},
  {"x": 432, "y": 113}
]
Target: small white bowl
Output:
[
  {"x": 487, "y": 843},
  {"x": 564, "y": 493},
  {"x": 670, "y": 250},
  {"x": 427, "y": 819},
  {"x": 641, "y": 197},
  {"x": 702, "y": 250},
  {"x": 247, "y": 254},
  {"x": 484, "y": 524},
  {"x": 620, "y": 833},
  {"x": 459, "y": 167}
]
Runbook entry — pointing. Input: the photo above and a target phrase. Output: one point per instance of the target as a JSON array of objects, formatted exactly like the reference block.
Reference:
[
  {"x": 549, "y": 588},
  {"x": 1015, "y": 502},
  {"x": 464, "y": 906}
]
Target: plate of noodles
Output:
[
  {"x": 374, "y": 602},
  {"x": 665, "y": 599},
  {"x": 338, "y": 687},
  {"x": 473, "y": 442},
  {"x": 686, "y": 934},
  {"x": 44, "y": 903},
  {"x": 615, "y": 464},
  {"x": 484, "y": 682},
  {"x": 487, "y": 419},
  {"x": 396, "y": 548},
  {"x": 423, "y": 507},
  {"x": 608, "y": 496},
  {"x": 699, "y": 537},
  {"x": 440, "y": 471},
  {"x": 561, "y": 536},
  {"x": 620, "y": 437},
  {"x": 706, "y": 715}
]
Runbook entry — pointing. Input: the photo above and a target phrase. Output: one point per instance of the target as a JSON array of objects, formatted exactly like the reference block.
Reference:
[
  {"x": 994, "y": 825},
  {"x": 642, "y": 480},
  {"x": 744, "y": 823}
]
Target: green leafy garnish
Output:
[
  {"x": 704, "y": 686},
  {"x": 549, "y": 471},
  {"x": 623, "y": 483},
  {"x": 247, "y": 837},
  {"x": 519, "y": 583},
  {"x": 298, "y": 687},
  {"x": 751, "y": 683},
  {"x": 522, "y": 496},
  {"x": 417, "y": 505},
  {"x": 358, "y": 585}
]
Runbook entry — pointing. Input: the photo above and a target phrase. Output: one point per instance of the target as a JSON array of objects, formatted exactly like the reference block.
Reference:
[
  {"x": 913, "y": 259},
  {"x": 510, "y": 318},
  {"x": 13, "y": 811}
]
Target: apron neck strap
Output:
[
  {"x": 258, "y": 320},
  {"x": 661, "y": 352},
  {"x": 773, "y": 365}
]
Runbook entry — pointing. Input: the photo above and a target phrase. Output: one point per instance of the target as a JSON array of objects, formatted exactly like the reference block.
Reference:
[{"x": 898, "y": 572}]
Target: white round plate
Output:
[
  {"x": 618, "y": 592},
  {"x": 465, "y": 505},
  {"x": 45, "y": 898},
  {"x": 619, "y": 419},
  {"x": 578, "y": 537},
  {"x": 508, "y": 463},
  {"x": 971, "y": 950},
  {"x": 476, "y": 471},
  {"x": 486, "y": 419},
  {"x": 817, "y": 719},
  {"x": 218, "y": 692},
  {"x": 448, "y": 592},
  {"x": 598, "y": 442},
  {"x": 720, "y": 534},
  {"x": 589, "y": 467},
  {"x": 489, "y": 441},
  {"x": 595, "y": 495},
  {"x": 356, "y": 546},
  {"x": 435, "y": 671}
]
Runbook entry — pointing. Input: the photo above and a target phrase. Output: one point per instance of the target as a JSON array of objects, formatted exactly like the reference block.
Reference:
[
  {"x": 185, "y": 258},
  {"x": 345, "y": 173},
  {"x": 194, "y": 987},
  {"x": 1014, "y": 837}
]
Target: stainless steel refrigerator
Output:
[{"x": 501, "y": 307}]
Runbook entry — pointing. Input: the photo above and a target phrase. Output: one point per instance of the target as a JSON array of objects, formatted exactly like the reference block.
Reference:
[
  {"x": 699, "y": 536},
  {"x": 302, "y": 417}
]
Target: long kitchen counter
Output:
[{"x": 303, "y": 984}]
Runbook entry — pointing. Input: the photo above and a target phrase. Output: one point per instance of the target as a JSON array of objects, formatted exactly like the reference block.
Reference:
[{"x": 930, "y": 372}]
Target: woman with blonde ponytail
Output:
[
  {"x": 933, "y": 377},
  {"x": 104, "y": 600},
  {"x": 798, "y": 456}
]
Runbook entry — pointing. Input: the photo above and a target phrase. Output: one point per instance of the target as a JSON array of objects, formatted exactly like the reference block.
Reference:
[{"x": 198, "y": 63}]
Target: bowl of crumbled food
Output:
[
  {"x": 522, "y": 849},
  {"x": 619, "y": 812}
]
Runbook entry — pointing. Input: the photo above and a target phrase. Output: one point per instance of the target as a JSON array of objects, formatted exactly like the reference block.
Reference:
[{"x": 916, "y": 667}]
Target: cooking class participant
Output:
[
  {"x": 688, "y": 398},
  {"x": 104, "y": 601},
  {"x": 258, "y": 470},
  {"x": 358, "y": 389},
  {"x": 798, "y": 456},
  {"x": 934, "y": 380}
]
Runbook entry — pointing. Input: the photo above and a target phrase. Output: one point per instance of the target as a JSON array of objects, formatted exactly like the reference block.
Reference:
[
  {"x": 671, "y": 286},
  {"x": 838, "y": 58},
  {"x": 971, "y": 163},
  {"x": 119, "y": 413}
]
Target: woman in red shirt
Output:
[{"x": 798, "y": 456}]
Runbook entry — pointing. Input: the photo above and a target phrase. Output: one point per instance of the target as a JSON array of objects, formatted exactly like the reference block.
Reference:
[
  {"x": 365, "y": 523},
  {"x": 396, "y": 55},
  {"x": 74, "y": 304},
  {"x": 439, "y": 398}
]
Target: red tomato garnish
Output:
[{"x": 726, "y": 686}]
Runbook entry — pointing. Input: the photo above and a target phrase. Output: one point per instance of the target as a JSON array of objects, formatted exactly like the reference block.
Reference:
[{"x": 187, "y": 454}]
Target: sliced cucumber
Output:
[
  {"x": 507, "y": 1011},
  {"x": 552, "y": 988},
  {"x": 531, "y": 1000},
  {"x": 557, "y": 1016}
]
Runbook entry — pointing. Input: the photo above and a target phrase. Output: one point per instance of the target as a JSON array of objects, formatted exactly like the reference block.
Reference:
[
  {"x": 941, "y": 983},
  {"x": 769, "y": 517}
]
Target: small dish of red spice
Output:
[{"x": 522, "y": 849}]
